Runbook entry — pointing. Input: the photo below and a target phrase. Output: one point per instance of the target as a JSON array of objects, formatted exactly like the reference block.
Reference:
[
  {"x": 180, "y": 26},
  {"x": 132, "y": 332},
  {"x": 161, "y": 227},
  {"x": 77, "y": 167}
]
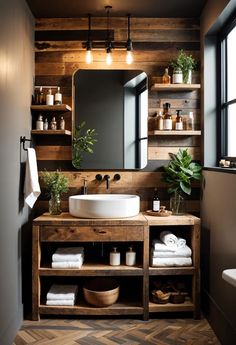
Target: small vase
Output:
[
  {"x": 177, "y": 204},
  {"x": 187, "y": 77},
  {"x": 55, "y": 204}
]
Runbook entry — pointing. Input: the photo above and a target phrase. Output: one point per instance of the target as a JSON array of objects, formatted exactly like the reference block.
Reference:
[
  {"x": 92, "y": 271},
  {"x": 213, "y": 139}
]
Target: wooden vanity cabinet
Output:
[
  {"x": 50, "y": 232},
  {"x": 54, "y": 231}
]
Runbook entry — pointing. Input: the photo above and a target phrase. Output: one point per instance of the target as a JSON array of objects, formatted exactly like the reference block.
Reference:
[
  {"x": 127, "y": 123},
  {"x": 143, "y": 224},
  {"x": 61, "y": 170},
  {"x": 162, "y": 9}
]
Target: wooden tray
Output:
[{"x": 159, "y": 214}]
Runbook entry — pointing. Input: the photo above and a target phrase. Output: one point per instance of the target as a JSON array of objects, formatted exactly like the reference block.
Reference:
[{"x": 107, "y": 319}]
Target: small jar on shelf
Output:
[{"x": 53, "y": 124}]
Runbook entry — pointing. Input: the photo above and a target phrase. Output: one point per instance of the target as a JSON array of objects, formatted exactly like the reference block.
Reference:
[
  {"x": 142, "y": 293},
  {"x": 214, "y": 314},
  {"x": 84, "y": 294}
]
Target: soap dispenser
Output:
[
  {"x": 114, "y": 257},
  {"x": 130, "y": 257},
  {"x": 49, "y": 98}
]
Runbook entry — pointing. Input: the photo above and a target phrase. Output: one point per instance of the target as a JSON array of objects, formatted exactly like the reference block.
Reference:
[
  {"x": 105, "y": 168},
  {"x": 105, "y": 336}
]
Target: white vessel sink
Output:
[
  {"x": 229, "y": 275},
  {"x": 104, "y": 205}
]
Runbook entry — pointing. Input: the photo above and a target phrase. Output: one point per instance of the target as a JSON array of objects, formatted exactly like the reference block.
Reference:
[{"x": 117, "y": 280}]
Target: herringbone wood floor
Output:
[{"x": 111, "y": 332}]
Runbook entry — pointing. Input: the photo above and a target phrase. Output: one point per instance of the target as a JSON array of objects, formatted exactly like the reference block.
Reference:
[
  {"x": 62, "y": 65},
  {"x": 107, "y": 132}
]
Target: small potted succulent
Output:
[
  {"x": 183, "y": 63},
  {"x": 179, "y": 174},
  {"x": 56, "y": 183}
]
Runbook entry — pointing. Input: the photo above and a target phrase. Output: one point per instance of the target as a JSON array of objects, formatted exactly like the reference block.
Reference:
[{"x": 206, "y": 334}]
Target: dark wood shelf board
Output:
[
  {"x": 51, "y": 132},
  {"x": 171, "y": 271},
  {"x": 171, "y": 307},
  {"x": 57, "y": 108},
  {"x": 175, "y": 87}
]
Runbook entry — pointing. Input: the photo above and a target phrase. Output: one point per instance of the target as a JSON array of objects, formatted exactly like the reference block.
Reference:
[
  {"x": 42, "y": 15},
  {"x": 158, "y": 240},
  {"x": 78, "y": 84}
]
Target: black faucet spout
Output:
[{"x": 107, "y": 179}]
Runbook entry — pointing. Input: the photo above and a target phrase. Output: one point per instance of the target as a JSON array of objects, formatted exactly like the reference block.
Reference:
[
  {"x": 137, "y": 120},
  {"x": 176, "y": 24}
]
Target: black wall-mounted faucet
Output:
[
  {"x": 107, "y": 179},
  {"x": 98, "y": 177}
]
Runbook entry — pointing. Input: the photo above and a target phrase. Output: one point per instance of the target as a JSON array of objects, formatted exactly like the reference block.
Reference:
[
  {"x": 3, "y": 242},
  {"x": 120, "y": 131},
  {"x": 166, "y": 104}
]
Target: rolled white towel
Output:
[
  {"x": 68, "y": 264},
  {"x": 169, "y": 238},
  {"x": 179, "y": 253},
  {"x": 68, "y": 254},
  {"x": 169, "y": 262},
  {"x": 60, "y": 302},
  {"x": 62, "y": 292},
  {"x": 162, "y": 247},
  {"x": 181, "y": 242}
]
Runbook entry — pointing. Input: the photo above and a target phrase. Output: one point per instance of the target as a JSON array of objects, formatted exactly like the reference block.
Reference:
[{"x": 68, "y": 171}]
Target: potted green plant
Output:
[
  {"x": 185, "y": 63},
  {"x": 179, "y": 174},
  {"x": 56, "y": 183},
  {"x": 83, "y": 142}
]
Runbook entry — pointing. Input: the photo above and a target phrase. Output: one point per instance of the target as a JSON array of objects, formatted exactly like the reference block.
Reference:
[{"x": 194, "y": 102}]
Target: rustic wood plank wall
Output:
[{"x": 59, "y": 53}]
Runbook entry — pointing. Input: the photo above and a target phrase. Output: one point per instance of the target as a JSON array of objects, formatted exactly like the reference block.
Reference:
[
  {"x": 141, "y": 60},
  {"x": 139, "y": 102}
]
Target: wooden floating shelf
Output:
[
  {"x": 171, "y": 271},
  {"x": 174, "y": 132},
  {"x": 61, "y": 107},
  {"x": 51, "y": 132},
  {"x": 170, "y": 307},
  {"x": 93, "y": 270},
  {"x": 175, "y": 87}
]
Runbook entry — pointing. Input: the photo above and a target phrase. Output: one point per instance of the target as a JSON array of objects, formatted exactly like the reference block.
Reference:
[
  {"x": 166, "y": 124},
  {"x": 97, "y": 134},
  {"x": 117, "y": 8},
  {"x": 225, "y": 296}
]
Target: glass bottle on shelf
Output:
[
  {"x": 62, "y": 123},
  {"x": 45, "y": 124},
  {"x": 166, "y": 77},
  {"x": 130, "y": 257},
  {"x": 190, "y": 122},
  {"x": 49, "y": 98},
  {"x": 167, "y": 122},
  {"x": 53, "y": 124},
  {"x": 159, "y": 121},
  {"x": 58, "y": 97},
  {"x": 178, "y": 121},
  {"x": 39, "y": 123},
  {"x": 114, "y": 257},
  {"x": 155, "y": 202}
]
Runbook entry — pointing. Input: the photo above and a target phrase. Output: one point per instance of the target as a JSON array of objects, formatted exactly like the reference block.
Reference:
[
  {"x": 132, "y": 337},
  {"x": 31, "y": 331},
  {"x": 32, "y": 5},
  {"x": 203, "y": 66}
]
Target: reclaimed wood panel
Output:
[{"x": 156, "y": 41}]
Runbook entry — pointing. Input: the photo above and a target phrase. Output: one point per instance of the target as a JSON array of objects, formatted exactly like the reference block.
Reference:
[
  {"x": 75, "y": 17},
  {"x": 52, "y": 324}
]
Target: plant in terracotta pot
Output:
[
  {"x": 83, "y": 142},
  {"x": 185, "y": 63},
  {"x": 56, "y": 183},
  {"x": 179, "y": 174}
]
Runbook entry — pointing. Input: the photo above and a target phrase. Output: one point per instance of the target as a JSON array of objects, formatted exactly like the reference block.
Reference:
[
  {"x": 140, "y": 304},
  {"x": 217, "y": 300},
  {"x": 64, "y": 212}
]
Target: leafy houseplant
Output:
[
  {"x": 179, "y": 174},
  {"x": 83, "y": 142},
  {"x": 185, "y": 63},
  {"x": 56, "y": 184}
]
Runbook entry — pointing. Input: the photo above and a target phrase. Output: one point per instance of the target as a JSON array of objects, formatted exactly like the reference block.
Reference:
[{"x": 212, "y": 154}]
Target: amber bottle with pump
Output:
[
  {"x": 159, "y": 122},
  {"x": 178, "y": 121},
  {"x": 167, "y": 122}
]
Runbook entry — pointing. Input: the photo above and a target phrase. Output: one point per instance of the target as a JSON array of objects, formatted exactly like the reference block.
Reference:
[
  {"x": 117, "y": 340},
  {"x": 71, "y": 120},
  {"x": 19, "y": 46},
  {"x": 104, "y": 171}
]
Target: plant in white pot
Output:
[
  {"x": 183, "y": 63},
  {"x": 179, "y": 174}
]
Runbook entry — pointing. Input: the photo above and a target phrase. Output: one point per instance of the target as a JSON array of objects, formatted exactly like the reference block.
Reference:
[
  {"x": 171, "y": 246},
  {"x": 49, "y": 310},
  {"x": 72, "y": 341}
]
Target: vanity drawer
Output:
[{"x": 91, "y": 233}]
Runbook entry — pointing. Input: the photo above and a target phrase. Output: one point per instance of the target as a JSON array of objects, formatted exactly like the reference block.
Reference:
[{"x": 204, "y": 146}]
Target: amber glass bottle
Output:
[
  {"x": 178, "y": 121},
  {"x": 166, "y": 77},
  {"x": 167, "y": 122}
]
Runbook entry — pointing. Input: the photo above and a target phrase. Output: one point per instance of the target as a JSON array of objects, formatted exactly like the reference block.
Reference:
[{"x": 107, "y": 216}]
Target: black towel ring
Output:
[{"x": 23, "y": 140}]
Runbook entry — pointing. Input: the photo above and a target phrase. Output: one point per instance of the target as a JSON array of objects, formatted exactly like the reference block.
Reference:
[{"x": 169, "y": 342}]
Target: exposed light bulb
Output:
[
  {"x": 89, "y": 56},
  {"x": 129, "y": 57},
  {"x": 108, "y": 58}
]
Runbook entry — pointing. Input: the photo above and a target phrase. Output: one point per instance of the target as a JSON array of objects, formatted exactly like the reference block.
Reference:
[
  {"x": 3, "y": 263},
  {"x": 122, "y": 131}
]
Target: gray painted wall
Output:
[
  {"x": 16, "y": 80},
  {"x": 219, "y": 252},
  {"x": 218, "y": 215}
]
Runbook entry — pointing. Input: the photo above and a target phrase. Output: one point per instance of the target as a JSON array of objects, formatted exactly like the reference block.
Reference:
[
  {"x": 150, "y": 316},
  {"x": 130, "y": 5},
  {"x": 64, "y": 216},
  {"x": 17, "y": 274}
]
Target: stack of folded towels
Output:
[
  {"x": 68, "y": 257},
  {"x": 62, "y": 295},
  {"x": 170, "y": 250}
]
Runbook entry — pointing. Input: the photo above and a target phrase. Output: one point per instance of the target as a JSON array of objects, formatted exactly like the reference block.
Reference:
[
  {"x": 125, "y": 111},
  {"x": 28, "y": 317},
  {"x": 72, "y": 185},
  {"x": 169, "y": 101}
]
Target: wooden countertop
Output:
[{"x": 141, "y": 219}]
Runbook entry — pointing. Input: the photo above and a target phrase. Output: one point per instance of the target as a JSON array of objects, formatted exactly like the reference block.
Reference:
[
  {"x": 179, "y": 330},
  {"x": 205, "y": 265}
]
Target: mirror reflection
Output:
[{"x": 115, "y": 104}]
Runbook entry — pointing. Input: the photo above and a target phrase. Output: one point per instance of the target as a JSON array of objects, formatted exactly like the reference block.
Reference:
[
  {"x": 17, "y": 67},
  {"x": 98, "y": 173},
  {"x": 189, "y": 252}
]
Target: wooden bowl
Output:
[{"x": 101, "y": 292}]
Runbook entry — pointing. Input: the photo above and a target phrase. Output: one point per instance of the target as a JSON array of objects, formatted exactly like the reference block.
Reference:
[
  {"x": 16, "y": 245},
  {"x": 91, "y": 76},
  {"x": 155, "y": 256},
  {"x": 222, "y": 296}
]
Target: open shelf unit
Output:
[
  {"x": 174, "y": 132},
  {"x": 50, "y": 232}
]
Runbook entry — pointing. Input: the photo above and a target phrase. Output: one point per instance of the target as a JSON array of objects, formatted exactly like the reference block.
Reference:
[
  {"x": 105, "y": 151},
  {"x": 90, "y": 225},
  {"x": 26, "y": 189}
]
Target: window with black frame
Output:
[{"x": 228, "y": 92}]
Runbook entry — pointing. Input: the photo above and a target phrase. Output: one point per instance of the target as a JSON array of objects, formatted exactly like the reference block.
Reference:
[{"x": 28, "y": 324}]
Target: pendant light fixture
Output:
[
  {"x": 89, "y": 54},
  {"x": 129, "y": 45},
  {"x": 108, "y": 44}
]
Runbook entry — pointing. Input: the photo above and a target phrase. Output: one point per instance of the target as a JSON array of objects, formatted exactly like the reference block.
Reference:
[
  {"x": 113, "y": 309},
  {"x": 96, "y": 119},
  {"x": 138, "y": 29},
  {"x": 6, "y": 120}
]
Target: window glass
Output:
[
  {"x": 231, "y": 64},
  {"x": 232, "y": 130}
]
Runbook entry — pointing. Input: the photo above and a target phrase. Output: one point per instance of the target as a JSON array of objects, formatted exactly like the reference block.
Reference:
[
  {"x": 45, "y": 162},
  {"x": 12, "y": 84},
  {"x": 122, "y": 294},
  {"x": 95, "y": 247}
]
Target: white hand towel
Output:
[
  {"x": 179, "y": 253},
  {"x": 68, "y": 254},
  {"x": 168, "y": 238},
  {"x": 31, "y": 187},
  {"x": 60, "y": 302},
  {"x": 67, "y": 264},
  {"x": 162, "y": 247},
  {"x": 181, "y": 242},
  {"x": 62, "y": 292},
  {"x": 169, "y": 262}
]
